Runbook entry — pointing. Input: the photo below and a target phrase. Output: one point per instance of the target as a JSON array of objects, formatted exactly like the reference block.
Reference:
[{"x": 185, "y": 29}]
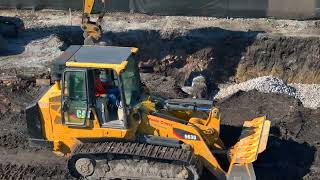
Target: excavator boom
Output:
[{"x": 92, "y": 29}]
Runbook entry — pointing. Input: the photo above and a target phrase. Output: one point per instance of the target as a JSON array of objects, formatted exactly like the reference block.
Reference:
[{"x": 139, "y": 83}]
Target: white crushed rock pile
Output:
[
  {"x": 265, "y": 84},
  {"x": 309, "y": 95}
]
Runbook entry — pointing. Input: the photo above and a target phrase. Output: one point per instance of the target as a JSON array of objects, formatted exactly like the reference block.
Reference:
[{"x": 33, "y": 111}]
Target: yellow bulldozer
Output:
[
  {"x": 127, "y": 133},
  {"x": 99, "y": 115}
]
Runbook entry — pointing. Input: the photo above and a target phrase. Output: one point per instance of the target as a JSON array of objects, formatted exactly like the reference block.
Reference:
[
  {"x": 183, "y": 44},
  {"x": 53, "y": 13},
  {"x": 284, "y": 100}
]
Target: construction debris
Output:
[
  {"x": 309, "y": 95},
  {"x": 198, "y": 88}
]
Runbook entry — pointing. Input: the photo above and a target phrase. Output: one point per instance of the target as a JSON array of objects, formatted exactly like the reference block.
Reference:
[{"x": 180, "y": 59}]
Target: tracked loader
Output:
[{"x": 139, "y": 135}]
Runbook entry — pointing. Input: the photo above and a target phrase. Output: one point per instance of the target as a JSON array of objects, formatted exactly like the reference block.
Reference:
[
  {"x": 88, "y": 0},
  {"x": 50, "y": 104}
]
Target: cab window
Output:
[
  {"x": 74, "y": 100},
  {"x": 131, "y": 82}
]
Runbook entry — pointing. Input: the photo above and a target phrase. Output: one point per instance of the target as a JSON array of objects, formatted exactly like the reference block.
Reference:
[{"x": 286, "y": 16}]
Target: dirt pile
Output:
[
  {"x": 161, "y": 85},
  {"x": 292, "y": 151}
]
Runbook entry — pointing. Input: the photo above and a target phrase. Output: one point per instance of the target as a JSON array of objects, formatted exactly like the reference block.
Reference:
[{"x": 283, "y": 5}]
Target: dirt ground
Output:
[
  {"x": 292, "y": 151},
  {"x": 224, "y": 50},
  {"x": 18, "y": 160}
]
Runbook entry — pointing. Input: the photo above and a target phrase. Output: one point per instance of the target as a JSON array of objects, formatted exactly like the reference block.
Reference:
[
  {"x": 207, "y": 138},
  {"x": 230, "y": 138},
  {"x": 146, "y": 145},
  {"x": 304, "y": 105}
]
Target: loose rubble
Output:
[
  {"x": 309, "y": 95},
  {"x": 198, "y": 88}
]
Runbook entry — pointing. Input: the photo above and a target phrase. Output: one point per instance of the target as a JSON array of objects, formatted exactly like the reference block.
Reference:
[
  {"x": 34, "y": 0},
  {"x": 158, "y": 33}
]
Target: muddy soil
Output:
[
  {"x": 292, "y": 151},
  {"x": 19, "y": 160}
]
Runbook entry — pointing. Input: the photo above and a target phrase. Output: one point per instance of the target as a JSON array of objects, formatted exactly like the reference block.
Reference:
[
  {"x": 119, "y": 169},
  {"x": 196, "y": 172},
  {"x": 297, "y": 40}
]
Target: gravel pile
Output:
[
  {"x": 309, "y": 95},
  {"x": 265, "y": 84}
]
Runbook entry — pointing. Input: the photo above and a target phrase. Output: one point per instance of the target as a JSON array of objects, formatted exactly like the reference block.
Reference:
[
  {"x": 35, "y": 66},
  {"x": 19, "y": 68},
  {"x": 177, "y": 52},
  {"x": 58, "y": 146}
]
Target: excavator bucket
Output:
[{"x": 253, "y": 140}]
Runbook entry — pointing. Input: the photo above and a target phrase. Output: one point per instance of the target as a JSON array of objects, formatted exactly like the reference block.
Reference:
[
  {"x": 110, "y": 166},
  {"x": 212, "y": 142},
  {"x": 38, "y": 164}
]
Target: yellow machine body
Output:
[{"x": 197, "y": 130}]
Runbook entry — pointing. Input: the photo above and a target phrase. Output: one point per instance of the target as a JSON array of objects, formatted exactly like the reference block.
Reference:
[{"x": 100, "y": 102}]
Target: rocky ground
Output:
[
  {"x": 230, "y": 53},
  {"x": 18, "y": 160}
]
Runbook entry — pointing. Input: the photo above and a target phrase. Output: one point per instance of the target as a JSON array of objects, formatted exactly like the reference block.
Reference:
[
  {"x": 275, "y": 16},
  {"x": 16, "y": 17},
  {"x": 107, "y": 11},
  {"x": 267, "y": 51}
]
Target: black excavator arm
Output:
[{"x": 92, "y": 29}]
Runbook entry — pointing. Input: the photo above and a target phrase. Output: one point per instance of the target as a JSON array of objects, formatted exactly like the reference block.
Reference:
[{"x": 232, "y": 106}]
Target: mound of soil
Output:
[
  {"x": 292, "y": 151},
  {"x": 293, "y": 59},
  {"x": 159, "y": 85},
  {"x": 222, "y": 55}
]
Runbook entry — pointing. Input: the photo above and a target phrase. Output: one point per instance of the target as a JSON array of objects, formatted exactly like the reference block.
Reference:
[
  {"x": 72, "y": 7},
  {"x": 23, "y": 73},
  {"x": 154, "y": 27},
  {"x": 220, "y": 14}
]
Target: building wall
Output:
[
  {"x": 294, "y": 9},
  {"x": 289, "y": 8}
]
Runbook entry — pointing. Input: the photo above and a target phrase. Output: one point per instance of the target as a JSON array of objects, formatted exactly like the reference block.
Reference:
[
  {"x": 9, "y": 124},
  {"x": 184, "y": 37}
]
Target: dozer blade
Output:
[{"x": 253, "y": 140}]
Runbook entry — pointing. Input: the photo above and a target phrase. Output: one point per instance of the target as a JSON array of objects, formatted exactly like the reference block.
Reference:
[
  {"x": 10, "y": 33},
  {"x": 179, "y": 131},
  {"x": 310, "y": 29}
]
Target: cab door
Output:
[{"x": 75, "y": 98}]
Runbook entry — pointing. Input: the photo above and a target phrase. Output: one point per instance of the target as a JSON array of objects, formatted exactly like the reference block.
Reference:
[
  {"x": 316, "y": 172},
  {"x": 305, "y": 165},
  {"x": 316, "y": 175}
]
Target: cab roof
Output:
[{"x": 96, "y": 56}]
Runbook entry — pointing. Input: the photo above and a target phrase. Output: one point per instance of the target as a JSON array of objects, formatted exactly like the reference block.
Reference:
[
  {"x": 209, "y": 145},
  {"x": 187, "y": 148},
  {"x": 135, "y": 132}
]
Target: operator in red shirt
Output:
[{"x": 103, "y": 88}]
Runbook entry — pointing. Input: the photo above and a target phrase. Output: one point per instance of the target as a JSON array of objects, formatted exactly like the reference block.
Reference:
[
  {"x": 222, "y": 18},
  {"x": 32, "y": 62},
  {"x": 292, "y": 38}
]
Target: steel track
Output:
[{"x": 130, "y": 154}]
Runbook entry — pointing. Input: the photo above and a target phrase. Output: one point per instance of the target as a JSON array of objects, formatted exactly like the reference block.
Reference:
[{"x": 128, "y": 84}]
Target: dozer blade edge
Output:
[{"x": 253, "y": 140}]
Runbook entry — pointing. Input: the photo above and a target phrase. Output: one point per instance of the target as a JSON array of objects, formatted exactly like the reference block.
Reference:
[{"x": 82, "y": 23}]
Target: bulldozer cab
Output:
[{"x": 99, "y": 82}]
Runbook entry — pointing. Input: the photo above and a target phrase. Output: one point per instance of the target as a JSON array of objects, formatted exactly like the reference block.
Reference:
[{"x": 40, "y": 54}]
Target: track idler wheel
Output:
[
  {"x": 184, "y": 174},
  {"x": 84, "y": 166},
  {"x": 81, "y": 166}
]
